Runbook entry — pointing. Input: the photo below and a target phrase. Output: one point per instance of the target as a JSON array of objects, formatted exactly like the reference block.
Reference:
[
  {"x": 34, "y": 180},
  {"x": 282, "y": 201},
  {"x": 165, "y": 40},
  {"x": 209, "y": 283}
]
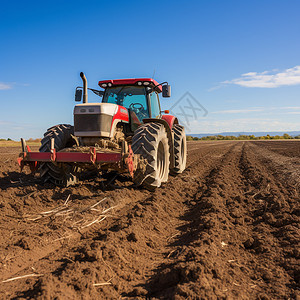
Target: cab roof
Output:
[{"x": 131, "y": 81}]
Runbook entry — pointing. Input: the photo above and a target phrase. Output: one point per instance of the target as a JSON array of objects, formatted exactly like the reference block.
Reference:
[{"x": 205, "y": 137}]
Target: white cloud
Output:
[
  {"x": 5, "y": 86},
  {"x": 242, "y": 124},
  {"x": 266, "y": 79},
  {"x": 290, "y": 107},
  {"x": 3, "y": 123},
  {"x": 238, "y": 111},
  {"x": 260, "y": 109},
  {"x": 16, "y": 130}
]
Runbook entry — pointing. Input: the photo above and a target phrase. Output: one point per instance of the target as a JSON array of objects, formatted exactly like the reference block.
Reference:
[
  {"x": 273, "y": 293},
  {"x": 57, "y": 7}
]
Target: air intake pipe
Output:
[{"x": 85, "y": 95}]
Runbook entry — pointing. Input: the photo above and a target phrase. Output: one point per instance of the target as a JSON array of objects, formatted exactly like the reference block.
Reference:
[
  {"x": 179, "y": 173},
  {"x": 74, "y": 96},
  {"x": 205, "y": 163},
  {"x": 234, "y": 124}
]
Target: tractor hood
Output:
[{"x": 98, "y": 119}]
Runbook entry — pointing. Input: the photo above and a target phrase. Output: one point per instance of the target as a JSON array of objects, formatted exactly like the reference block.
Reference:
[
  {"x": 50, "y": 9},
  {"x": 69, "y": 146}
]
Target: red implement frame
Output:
[
  {"x": 33, "y": 158},
  {"x": 91, "y": 157}
]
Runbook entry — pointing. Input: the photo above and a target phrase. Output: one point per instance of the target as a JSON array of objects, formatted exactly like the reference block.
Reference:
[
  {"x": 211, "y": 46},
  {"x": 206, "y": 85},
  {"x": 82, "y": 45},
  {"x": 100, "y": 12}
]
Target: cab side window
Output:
[{"x": 155, "y": 108}]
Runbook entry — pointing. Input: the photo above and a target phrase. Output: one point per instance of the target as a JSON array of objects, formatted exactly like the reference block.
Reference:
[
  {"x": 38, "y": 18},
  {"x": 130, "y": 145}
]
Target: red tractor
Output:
[{"x": 127, "y": 132}]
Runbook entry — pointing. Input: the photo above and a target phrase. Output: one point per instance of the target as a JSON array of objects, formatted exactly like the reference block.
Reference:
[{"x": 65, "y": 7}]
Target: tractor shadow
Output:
[
  {"x": 105, "y": 182},
  {"x": 17, "y": 179},
  {"x": 108, "y": 181}
]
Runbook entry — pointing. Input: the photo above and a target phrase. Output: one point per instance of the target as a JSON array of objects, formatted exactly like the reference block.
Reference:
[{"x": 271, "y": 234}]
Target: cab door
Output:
[{"x": 154, "y": 106}]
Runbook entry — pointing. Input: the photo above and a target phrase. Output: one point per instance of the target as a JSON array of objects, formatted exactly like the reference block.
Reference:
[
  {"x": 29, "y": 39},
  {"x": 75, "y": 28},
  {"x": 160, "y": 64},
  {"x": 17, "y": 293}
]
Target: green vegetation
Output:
[{"x": 241, "y": 137}]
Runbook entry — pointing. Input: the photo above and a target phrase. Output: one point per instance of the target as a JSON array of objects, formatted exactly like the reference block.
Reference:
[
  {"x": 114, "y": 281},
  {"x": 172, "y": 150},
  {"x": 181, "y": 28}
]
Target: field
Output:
[
  {"x": 17, "y": 144},
  {"x": 225, "y": 228}
]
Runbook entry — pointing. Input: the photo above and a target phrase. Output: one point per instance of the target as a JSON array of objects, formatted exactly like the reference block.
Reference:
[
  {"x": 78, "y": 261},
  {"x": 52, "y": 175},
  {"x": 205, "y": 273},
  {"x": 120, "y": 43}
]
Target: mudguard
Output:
[{"x": 171, "y": 120}]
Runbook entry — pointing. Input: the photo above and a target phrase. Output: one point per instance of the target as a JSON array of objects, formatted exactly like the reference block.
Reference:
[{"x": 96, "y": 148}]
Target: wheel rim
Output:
[{"x": 160, "y": 160}]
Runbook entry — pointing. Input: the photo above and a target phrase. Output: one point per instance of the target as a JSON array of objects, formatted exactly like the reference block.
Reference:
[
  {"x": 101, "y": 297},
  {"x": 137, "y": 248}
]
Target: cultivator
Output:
[{"x": 98, "y": 157}]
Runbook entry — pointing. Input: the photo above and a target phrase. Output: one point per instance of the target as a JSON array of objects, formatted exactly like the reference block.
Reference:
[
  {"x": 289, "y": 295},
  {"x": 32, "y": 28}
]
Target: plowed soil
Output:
[{"x": 227, "y": 228}]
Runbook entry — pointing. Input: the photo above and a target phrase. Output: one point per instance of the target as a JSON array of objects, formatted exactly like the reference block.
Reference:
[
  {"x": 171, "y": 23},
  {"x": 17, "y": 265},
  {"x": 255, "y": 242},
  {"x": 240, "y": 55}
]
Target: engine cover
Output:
[{"x": 98, "y": 119}]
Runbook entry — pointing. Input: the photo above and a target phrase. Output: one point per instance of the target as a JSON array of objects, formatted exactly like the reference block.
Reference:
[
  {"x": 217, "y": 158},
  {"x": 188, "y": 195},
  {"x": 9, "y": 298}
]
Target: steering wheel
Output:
[
  {"x": 136, "y": 106},
  {"x": 139, "y": 110}
]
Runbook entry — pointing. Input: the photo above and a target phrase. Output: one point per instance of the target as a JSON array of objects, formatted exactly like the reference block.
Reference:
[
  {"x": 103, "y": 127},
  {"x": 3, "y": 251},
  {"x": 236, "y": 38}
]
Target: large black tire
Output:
[
  {"x": 180, "y": 149},
  {"x": 50, "y": 172},
  {"x": 150, "y": 141}
]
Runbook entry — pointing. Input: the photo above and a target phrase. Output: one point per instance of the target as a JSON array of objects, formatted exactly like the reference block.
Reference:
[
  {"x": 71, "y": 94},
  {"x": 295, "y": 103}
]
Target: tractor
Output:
[{"x": 127, "y": 132}]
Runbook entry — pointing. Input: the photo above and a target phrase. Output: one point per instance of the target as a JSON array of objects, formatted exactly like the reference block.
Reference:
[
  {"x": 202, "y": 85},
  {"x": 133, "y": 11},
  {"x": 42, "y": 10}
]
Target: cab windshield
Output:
[{"x": 131, "y": 97}]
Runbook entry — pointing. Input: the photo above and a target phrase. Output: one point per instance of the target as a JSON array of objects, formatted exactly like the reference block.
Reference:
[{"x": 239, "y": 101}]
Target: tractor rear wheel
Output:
[
  {"x": 180, "y": 149},
  {"x": 150, "y": 141},
  {"x": 51, "y": 172}
]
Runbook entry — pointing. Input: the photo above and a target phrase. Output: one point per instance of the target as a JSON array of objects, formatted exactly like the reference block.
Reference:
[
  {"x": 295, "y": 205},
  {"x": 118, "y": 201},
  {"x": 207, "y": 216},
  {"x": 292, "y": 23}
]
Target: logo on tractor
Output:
[{"x": 188, "y": 109}]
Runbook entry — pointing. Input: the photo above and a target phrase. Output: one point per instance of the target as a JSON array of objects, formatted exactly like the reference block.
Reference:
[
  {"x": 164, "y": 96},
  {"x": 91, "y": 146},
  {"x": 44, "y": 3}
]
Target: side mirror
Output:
[
  {"x": 78, "y": 95},
  {"x": 166, "y": 91}
]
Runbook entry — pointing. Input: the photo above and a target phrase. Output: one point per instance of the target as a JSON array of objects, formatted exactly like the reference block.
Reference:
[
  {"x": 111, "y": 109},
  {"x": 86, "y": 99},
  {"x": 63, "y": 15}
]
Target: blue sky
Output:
[{"x": 239, "y": 59}]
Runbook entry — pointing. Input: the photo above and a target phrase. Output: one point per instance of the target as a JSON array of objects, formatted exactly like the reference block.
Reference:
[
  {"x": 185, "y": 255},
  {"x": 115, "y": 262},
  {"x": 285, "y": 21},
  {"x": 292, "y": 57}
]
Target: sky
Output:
[{"x": 233, "y": 65}]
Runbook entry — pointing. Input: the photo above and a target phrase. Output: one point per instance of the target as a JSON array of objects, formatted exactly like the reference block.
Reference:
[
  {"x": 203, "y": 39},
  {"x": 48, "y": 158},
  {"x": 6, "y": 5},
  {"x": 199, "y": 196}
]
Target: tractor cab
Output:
[
  {"x": 137, "y": 95},
  {"x": 134, "y": 98}
]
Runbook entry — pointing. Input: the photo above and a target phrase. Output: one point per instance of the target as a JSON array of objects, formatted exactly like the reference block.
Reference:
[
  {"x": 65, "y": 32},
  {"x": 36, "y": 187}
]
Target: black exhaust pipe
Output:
[{"x": 85, "y": 96}]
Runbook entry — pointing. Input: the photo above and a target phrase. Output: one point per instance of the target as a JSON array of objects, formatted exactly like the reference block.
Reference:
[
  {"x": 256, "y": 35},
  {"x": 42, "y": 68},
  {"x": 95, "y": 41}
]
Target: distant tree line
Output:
[
  {"x": 33, "y": 140},
  {"x": 30, "y": 140},
  {"x": 242, "y": 137}
]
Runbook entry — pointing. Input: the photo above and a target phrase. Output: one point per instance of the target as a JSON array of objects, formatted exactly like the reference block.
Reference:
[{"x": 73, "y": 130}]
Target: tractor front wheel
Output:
[
  {"x": 150, "y": 141},
  {"x": 52, "y": 172}
]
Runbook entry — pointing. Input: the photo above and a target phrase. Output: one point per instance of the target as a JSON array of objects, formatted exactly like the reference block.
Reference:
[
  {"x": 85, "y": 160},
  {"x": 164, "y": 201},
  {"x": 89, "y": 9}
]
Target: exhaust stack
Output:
[{"x": 85, "y": 96}]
